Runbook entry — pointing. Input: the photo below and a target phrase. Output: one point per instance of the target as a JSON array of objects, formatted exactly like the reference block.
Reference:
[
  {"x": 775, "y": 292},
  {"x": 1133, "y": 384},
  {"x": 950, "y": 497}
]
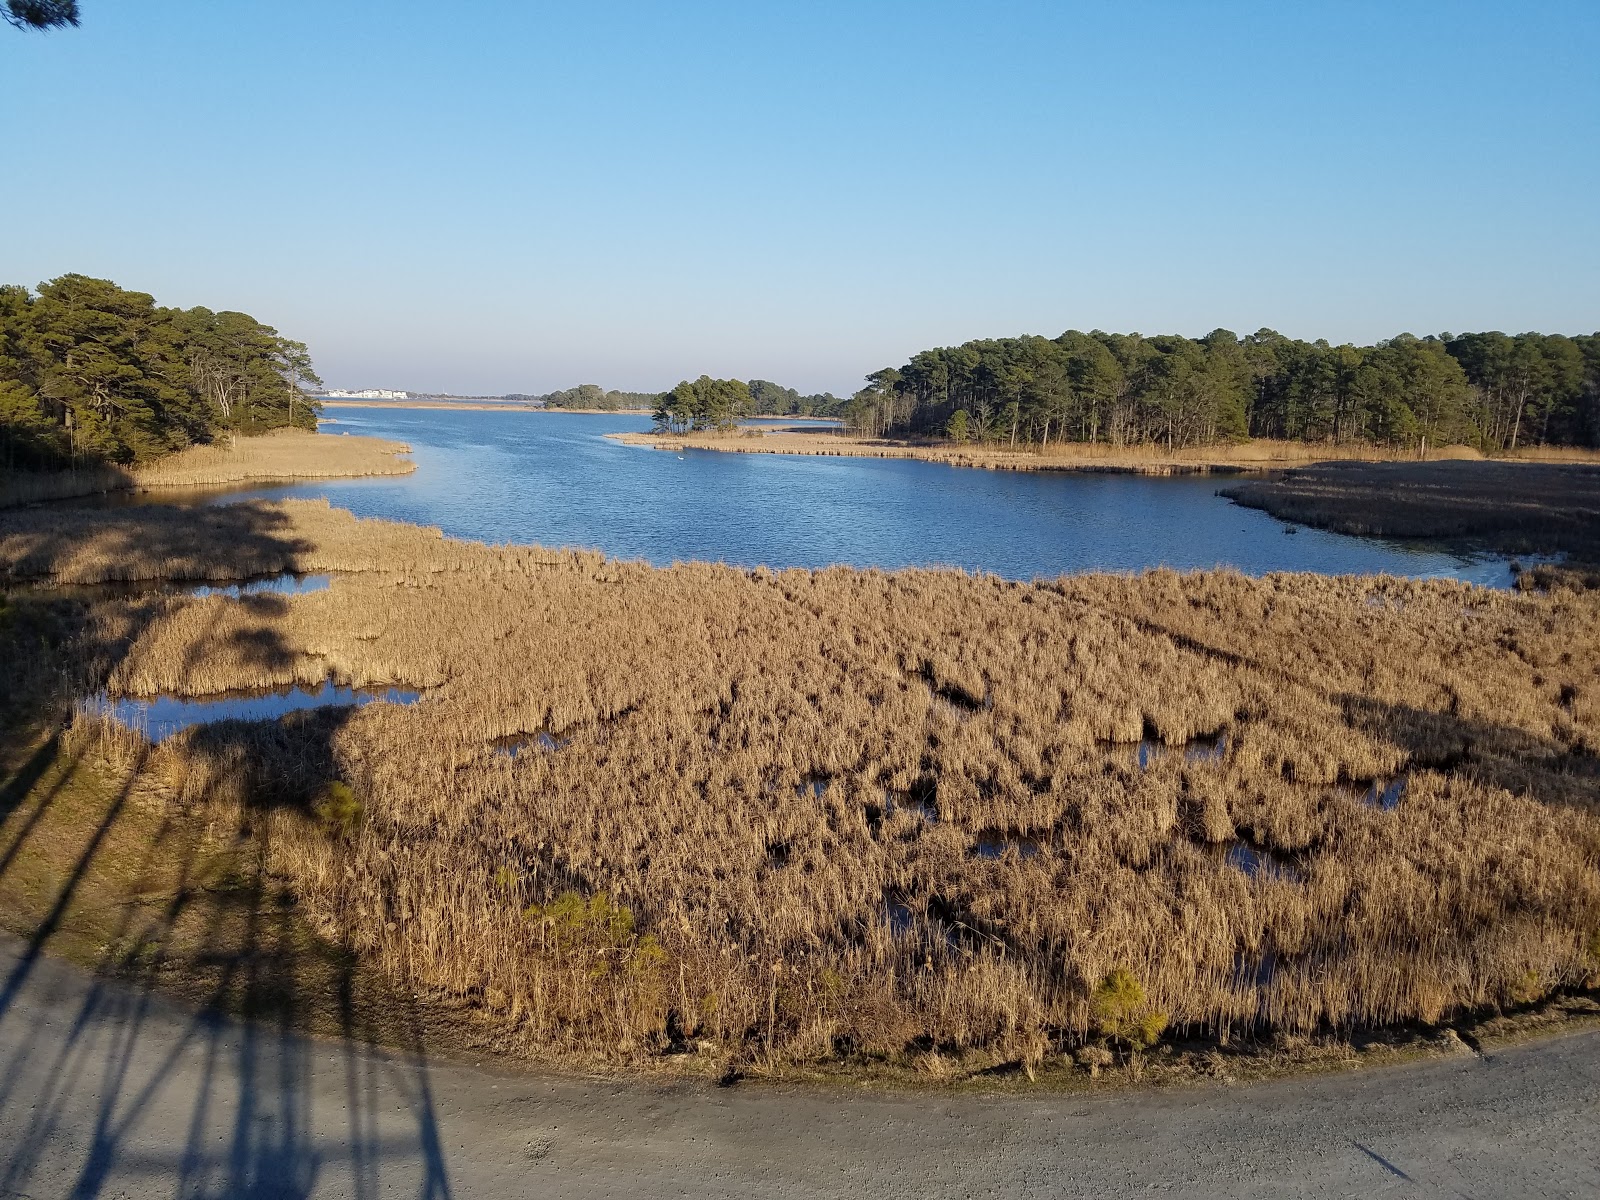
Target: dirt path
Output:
[{"x": 110, "y": 1091}]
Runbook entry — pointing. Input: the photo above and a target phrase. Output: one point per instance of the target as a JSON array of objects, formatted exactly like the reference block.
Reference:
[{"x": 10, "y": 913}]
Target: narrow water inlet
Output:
[
  {"x": 287, "y": 584},
  {"x": 161, "y": 717}
]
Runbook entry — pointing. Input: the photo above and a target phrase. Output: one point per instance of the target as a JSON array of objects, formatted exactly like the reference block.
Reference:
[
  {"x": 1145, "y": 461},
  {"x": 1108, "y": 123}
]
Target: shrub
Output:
[
  {"x": 1121, "y": 1013},
  {"x": 338, "y": 809},
  {"x": 571, "y": 924}
]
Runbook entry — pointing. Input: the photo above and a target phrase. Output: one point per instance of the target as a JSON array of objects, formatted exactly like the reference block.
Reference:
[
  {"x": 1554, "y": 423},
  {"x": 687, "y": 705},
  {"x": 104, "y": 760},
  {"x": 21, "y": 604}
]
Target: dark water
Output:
[
  {"x": 166, "y": 715},
  {"x": 554, "y": 479}
]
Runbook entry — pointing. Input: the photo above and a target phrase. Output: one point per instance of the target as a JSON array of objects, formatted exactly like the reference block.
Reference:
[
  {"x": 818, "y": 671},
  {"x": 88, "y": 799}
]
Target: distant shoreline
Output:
[
  {"x": 1254, "y": 457},
  {"x": 481, "y": 406},
  {"x": 841, "y": 445}
]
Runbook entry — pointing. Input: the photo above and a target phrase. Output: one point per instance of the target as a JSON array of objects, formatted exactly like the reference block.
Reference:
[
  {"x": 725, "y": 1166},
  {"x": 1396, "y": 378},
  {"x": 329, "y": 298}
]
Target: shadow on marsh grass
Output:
[
  {"x": 73, "y": 544},
  {"x": 101, "y": 864},
  {"x": 1513, "y": 507}
]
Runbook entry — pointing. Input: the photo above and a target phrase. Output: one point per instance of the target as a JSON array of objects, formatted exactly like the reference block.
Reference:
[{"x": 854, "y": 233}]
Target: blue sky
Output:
[{"x": 533, "y": 195}]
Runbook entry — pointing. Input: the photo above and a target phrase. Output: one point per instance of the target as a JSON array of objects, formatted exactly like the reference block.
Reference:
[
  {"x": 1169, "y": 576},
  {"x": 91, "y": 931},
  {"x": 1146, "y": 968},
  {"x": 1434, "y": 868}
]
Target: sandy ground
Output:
[{"x": 109, "y": 1091}]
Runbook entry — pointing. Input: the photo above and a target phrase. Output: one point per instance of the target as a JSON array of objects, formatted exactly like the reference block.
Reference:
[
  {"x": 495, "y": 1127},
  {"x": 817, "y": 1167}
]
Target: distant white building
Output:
[{"x": 368, "y": 394}]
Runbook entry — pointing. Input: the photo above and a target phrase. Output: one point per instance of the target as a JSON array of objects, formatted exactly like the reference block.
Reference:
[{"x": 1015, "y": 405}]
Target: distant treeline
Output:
[
  {"x": 709, "y": 403},
  {"x": 91, "y": 373},
  {"x": 589, "y": 395},
  {"x": 760, "y": 397},
  {"x": 1488, "y": 390},
  {"x": 769, "y": 399}
]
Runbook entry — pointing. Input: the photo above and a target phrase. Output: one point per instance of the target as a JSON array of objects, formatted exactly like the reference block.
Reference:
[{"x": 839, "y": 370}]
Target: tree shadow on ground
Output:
[
  {"x": 72, "y": 544},
  {"x": 1490, "y": 754},
  {"x": 159, "y": 897}
]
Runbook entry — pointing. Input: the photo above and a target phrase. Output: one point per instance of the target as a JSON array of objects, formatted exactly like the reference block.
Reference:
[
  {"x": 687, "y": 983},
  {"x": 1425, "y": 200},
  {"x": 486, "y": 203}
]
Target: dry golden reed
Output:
[
  {"x": 1257, "y": 454},
  {"x": 790, "y": 815},
  {"x": 281, "y": 454}
]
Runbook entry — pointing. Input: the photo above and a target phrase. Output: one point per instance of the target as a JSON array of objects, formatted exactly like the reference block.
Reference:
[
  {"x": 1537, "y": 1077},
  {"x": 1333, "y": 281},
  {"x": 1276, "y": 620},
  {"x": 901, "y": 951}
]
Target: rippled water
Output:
[{"x": 555, "y": 479}]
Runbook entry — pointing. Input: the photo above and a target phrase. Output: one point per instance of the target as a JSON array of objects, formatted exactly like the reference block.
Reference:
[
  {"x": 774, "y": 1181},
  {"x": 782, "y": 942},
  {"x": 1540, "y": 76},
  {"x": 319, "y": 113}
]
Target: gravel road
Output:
[{"x": 110, "y": 1091}]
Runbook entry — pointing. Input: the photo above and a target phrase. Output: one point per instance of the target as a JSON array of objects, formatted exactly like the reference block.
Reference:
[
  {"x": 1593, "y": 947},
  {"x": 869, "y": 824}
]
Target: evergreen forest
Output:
[
  {"x": 1492, "y": 391},
  {"x": 91, "y": 373}
]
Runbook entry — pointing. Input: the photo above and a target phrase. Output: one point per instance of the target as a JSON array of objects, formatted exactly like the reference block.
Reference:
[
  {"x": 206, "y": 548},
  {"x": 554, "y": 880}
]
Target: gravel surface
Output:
[{"x": 110, "y": 1091}]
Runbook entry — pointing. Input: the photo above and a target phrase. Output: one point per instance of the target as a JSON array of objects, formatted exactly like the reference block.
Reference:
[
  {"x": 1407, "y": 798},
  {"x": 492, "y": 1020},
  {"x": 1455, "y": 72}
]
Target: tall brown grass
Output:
[
  {"x": 756, "y": 826},
  {"x": 1258, "y": 454},
  {"x": 281, "y": 454}
]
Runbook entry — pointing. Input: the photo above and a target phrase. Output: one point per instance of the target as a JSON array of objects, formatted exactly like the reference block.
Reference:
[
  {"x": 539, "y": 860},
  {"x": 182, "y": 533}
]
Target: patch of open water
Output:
[
  {"x": 161, "y": 717},
  {"x": 287, "y": 584},
  {"x": 994, "y": 843},
  {"x": 276, "y": 585},
  {"x": 514, "y": 744}
]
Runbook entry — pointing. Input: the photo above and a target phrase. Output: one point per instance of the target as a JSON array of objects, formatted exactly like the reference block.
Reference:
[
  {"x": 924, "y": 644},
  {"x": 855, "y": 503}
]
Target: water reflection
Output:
[
  {"x": 1200, "y": 750},
  {"x": 163, "y": 716},
  {"x": 287, "y": 584},
  {"x": 277, "y": 585}
]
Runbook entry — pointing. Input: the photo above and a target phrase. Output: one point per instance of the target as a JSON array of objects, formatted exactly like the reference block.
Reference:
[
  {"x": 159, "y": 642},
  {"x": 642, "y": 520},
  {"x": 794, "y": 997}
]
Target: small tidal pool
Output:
[{"x": 163, "y": 716}]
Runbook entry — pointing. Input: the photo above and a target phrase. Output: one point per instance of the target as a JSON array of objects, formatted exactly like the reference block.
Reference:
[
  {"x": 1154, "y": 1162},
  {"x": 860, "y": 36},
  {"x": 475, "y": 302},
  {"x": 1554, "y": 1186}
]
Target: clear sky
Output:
[{"x": 518, "y": 196}]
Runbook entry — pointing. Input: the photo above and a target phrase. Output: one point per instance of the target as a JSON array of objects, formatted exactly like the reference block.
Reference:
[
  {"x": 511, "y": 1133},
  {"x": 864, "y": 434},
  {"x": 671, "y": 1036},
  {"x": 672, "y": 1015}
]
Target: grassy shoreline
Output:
[
  {"x": 802, "y": 823},
  {"x": 1258, "y": 456},
  {"x": 282, "y": 455}
]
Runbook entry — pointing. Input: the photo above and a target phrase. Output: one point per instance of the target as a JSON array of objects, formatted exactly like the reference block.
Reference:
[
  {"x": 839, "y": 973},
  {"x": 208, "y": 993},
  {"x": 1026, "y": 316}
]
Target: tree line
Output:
[
  {"x": 762, "y": 397},
  {"x": 93, "y": 373},
  {"x": 708, "y": 403},
  {"x": 589, "y": 395},
  {"x": 1488, "y": 390}
]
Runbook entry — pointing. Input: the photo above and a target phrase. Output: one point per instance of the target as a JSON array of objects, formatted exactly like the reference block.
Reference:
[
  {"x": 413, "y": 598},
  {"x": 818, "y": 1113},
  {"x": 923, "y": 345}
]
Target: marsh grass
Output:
[
  {"x": 1257, "y": 454},
  {"x": 727, "y": 739},
  {"x": 281, "y": 454}
]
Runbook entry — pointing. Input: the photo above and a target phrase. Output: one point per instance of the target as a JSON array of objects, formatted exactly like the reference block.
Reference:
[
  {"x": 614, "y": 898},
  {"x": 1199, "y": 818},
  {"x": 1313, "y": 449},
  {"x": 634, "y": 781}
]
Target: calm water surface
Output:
[
  {"x": 557, "y": 480},
  {"x": 164, "y": 716}
]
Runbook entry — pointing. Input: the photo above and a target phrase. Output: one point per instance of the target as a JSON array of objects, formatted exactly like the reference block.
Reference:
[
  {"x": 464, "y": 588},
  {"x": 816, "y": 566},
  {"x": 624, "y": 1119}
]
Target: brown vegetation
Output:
[
  {"x": 801, "y": 816},
  {"x": 280, "y": 455},
  {"x": 1515, "y": 507},
  {"x": 1259, "y": 454}
]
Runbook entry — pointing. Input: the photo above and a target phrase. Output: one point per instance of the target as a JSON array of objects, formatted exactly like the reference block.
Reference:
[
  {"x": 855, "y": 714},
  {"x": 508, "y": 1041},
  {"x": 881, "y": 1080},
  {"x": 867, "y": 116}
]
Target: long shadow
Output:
[
  {"x": 256, "y": 1083},
  {"x": 1495, "y": 755},
  {"x": 158, "y": 543},
  {"x": 80, "y": 1096}
]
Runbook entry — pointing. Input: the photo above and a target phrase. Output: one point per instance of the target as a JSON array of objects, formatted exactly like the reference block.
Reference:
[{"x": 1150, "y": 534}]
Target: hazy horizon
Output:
[{"x": 537, "y": 197}]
